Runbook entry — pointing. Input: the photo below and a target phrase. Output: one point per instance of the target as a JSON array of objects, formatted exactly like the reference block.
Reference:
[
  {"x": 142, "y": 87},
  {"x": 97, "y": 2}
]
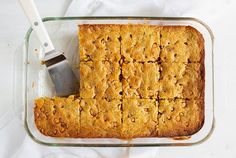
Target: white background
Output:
[{"x": 218, "y": 14}]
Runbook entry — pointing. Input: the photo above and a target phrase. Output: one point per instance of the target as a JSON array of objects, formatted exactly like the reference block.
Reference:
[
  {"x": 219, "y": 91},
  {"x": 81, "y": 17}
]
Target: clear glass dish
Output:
[{"x": 63, "y": 31}]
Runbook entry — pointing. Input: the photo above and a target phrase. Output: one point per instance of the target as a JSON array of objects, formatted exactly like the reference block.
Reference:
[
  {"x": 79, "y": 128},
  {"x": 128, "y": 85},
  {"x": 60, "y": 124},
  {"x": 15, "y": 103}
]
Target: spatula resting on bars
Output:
[{"x": 59, "y": 70}]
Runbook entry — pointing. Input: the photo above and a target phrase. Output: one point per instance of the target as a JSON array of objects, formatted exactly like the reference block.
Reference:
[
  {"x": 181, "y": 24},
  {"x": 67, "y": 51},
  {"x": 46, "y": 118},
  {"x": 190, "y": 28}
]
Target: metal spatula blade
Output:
[
  {"x": 62, "y": 76},
  {"x": 59, "y": 70}
]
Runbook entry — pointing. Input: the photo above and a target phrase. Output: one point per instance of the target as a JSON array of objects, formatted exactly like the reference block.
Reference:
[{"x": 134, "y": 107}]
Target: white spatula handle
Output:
[{"x": 37, "y": 24}]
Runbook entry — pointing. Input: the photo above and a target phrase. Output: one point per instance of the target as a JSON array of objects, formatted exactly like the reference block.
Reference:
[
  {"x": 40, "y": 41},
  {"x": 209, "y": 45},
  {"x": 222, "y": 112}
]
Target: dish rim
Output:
[{"x": 26, "y": 44}]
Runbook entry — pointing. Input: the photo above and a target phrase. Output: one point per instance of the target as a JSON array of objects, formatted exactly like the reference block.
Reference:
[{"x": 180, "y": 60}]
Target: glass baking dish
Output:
[{"x": 63, "y": 31}]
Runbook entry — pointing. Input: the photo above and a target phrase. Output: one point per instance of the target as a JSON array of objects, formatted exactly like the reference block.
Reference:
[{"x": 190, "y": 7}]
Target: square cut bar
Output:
[
  {"x": 140, "y": 117},
  {"x": 100, "y": 79},
  {"x": 58, "y": 117},
  {"x": 181, "y": 44},
  {"x": 170, "y": 74},
  {"x": 140, "y": 80},
  {"x": 140, "y": 43},
  {"x": 100, "y": 118},
  {"x": 180, "y": 117},
  {"x": 179, "y": 80},
  {"x": 99, "y": 42}
]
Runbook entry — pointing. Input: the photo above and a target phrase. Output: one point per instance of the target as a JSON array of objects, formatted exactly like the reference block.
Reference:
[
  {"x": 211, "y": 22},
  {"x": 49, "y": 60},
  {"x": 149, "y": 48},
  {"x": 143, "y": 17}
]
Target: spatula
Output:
[{"x": 59, "y": 70}]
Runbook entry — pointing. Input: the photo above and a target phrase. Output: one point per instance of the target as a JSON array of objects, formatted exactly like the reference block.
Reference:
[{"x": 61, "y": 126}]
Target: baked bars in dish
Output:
[{"x": 135, "y": 81}]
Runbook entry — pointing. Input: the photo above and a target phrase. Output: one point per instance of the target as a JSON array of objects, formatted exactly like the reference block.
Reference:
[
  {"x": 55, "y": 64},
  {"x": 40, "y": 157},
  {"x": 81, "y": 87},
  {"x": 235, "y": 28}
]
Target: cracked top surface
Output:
[
  {"x": 100, "y": 79},
  {"x": 100, "y": 118},
  {"x": 57, "y": 117},
  {"x": 140, "y": 43},
  {"x": 140, "y": 80},
  {"x": 180, "y": 80},
  {"x": 179, "y": 117},
  {"x": 99, "y": 42},
  {"x": 140, "y": 117},
  {"x": 181, "y": 44}
]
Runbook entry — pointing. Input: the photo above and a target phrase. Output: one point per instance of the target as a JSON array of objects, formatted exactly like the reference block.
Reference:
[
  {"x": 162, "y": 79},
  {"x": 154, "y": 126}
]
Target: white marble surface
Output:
[{"x": 218, "y": 14}]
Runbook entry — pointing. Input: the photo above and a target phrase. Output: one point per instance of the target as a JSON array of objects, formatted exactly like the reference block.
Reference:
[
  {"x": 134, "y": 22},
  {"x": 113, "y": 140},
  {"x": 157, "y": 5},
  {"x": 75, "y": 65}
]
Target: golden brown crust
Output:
[
  {"x": 135, "y": 81},
  {"x": 181, "y": 44},
  {"x": 140, "y": 43},
  {"x": 99, "y": 38},
  {"x": 140, "y": 80},
  {"x": 100, "y": 118},
  {"x": 193, "y": 81},
  {"x": 180, "y": 80},
  {"x": 140, "y": 117},
  {"x": 100, "y": 79},
  {"x": 179, "y": 117},
  {"x": 57, "y": 117},
  {"x": 197, "y": 44},
  {"x": 170, "y": 74}
]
